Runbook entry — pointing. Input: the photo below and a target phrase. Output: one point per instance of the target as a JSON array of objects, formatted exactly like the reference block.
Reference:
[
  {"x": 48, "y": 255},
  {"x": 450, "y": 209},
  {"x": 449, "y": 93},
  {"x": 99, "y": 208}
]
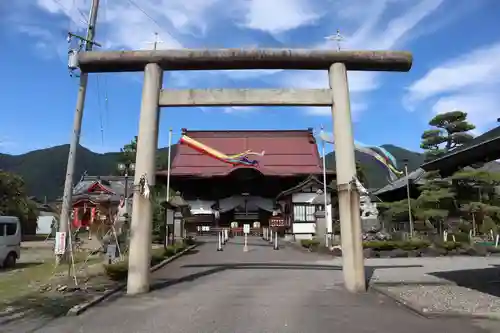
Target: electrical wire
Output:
[
  {"x": 133, "y": 3},
  {"x": 99, "y": 103},
  {"x": 68, "y": 12}
]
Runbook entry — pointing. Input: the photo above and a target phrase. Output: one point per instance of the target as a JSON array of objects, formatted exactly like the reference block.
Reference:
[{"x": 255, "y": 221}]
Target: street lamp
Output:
[
  {"x": 410, "y": 217},
  {"x": 126, "y": 168}
]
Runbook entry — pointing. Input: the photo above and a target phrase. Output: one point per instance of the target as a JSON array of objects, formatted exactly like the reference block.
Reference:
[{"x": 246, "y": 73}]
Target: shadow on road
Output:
[
  {"x": 21, "y": 265},
  {"x": 43, "y": 308},
  {"x": 485, "y": 280},
  {"x": 217, "y": 268}
]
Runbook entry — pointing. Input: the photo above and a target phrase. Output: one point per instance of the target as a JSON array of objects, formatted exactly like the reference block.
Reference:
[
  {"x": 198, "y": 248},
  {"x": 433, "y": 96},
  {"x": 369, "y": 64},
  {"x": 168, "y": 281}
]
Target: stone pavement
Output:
[{"x": 262, "y": 290}]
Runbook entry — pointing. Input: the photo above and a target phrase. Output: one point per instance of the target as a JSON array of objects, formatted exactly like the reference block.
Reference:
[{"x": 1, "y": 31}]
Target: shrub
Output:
[
  {"x": 189, "y": 241},
  {"x": 448, "y": 246},
  {"x": 117, "y": 271},
  {"x": 392, "y": 245},
  {"x": 493, "y": 249},
  {"x": 464, "y": 227},
  {"x": 179, "y": 247},
  {"x": 488, "y": 225},
  {"x": 169, "y": 251},
  {"x": 461, "y": 237},
  {"x": 311, "y": 244},
  {"x": 157, "y": 256},
  {"x": 413, "y": 245}
]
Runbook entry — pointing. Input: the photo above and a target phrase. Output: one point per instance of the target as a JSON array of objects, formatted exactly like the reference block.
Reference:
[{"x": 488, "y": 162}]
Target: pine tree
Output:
[
  {"x": 451, "y": 129},
  {"x": 436, "y": 200},
  {"x": 477, "y": 198}
]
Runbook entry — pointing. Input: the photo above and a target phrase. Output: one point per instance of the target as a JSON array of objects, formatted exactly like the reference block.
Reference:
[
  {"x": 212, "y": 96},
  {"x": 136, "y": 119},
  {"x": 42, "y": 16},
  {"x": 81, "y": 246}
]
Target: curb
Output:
[
  {"x": 431, "y": 315},
  {"x": 411, "y": 283},
  {"x": 80, "y": 308}
]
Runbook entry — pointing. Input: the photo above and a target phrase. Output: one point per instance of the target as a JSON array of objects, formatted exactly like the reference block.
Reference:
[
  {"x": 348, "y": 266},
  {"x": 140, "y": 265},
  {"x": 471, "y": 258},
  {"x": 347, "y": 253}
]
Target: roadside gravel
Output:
[{"x": 447, "y": 298}]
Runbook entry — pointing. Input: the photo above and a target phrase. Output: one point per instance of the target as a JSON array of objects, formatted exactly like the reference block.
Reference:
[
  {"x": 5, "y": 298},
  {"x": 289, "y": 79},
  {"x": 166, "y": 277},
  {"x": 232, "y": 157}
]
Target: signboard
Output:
[
  {"x": 246, "y": 228},
  {"x": 276, "y": 222},
  {"x": 170, "y": 217},
  {"x": 60, "y": 246},
  {"x": 111, "y": 251}
]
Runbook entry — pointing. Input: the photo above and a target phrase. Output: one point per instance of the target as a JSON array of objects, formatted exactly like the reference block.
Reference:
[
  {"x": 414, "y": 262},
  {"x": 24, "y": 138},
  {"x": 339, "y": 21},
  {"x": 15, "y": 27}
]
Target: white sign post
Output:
[
  {"x": 60, "y": 246},
  {"x": 246, "y": 231}
]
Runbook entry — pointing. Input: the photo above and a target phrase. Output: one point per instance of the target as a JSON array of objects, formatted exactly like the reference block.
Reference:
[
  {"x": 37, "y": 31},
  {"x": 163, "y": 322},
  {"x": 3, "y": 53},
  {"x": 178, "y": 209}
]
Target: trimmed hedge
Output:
[
  {"x": 393, "y": 245},
  {"x": 311, "y": 244},
  {"x": 449, "y": 246},
  {"x": 119, "y": 271}
]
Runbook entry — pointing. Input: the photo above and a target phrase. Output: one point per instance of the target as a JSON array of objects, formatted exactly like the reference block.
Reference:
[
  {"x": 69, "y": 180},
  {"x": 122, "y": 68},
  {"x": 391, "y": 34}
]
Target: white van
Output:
[{"x": 10, "y": 241}]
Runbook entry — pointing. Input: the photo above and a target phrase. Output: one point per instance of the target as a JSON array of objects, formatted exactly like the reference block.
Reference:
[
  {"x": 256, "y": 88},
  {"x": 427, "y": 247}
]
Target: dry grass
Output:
[{"x": 29, "y": 277}]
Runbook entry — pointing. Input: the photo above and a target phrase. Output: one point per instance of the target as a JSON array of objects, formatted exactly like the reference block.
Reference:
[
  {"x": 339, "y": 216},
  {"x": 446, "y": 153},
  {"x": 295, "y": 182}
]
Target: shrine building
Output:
[{"x": 286, "y": 182}]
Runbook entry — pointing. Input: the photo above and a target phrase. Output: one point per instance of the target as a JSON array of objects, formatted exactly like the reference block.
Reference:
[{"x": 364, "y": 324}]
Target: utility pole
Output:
[
  {"x": 408, "y": 197},
  {"x": 77, "y": 128}
]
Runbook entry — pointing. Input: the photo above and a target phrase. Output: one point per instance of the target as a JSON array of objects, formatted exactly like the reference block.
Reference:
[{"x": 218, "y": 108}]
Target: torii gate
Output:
[{"x": 153, "y": 63}]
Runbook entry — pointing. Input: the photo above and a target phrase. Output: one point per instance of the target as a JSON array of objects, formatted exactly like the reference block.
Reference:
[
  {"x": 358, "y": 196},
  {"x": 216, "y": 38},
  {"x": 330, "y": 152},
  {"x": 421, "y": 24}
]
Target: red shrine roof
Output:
[{"x": 287, "y": 153}]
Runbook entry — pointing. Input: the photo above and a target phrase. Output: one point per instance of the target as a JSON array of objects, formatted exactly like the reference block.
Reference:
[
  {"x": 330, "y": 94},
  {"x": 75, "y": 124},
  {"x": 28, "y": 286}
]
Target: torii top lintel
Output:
[{"x": 231, "y": 59}]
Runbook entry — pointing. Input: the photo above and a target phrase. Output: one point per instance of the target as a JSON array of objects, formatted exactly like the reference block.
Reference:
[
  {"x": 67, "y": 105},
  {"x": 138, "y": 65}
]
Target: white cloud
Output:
[
  {"x": 373, "y": 34},
  {"x": 127, "y": 24},
  {"x": 278, "y": 15},
  {"x": 382, "y": 24},
  {"x": 468, "y": 83},
  {"x": 239, "y": 109}
]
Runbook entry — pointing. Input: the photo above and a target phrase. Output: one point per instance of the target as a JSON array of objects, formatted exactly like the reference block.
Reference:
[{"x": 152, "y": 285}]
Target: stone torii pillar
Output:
[
  {"x": 348, "y": 196},
  {"x": 153, "y": 63},
  {"x": 145, "y": 166}
]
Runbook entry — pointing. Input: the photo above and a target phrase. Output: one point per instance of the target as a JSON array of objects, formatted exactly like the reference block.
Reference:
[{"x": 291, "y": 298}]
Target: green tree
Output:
[
  {"x": 396, "y": 211},
  {"x": 435, "y": 201},
  {"x": 451, "y": 129},
  {"x": 477, "y": 198},
  {"x": 15, "y": 202},
  {"x": 128, "y": 155},
  {"x": 437, "y": 197}
]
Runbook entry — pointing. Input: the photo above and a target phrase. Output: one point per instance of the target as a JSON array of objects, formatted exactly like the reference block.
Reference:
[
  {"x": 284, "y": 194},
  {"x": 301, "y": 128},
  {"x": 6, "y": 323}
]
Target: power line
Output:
[
  {"x": 100, "y": 109},
  {"x": 82, "y": 14},
  {"x": 133, "y": 3},
  {"x": 83, "y": 20}
]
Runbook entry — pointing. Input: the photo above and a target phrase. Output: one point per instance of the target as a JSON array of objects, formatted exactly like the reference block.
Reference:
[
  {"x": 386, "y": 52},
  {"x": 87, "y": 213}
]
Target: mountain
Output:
[
  {"x": 376, "y": 174},
  {"x": 44, "y": 170}
]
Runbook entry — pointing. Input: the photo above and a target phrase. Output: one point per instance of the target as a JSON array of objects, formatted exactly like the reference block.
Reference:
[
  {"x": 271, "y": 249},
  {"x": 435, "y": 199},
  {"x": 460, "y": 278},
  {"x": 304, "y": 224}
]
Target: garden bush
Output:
[
  {"x": 157, "y": 256},
  {"x": 311, "y": 244},
  {"x": 448, "y": 246},
  {"x": 189, "y": 241},
  {"x": 118, "y": 271},
  {"x": 461, "y": 237},
  {"x": 393, "y": 245}
]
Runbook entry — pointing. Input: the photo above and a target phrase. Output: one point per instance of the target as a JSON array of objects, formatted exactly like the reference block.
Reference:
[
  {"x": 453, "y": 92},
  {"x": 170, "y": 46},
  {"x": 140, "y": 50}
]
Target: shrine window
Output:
[{"x": 304, "y": 213}]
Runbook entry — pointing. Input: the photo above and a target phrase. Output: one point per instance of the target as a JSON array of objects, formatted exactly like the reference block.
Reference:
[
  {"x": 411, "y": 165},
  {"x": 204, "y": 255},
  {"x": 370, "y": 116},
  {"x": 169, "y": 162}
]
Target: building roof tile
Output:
[{"x": 287, "y": 152}]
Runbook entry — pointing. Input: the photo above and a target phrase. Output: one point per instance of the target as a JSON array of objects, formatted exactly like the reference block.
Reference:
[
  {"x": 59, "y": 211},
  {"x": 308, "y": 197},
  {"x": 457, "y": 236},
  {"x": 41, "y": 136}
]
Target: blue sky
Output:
[{"x": 455, "y": 44}]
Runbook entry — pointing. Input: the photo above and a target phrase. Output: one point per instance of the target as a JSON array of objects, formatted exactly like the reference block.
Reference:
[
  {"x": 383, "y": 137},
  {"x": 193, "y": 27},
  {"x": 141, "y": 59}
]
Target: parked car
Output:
[{"x": 10, "y": 241}]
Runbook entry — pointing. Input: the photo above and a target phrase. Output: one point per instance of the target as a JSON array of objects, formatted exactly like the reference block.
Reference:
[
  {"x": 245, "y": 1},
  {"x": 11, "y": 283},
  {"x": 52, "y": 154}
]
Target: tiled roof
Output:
[
  {"x": 291, "y": 152},
  {"x": 415, "y": 177},
  {"x": 307, "y": 182},
  {"x": 483, "y": 148},
  {"x": 114, "y": 184}
]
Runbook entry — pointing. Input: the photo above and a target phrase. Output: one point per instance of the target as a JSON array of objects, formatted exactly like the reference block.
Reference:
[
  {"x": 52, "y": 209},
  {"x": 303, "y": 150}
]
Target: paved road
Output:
[{"x": 258, "y": 291}]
